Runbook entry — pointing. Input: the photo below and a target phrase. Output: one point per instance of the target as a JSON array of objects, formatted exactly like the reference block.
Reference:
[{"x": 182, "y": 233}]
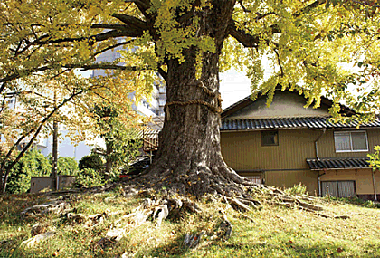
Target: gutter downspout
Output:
[
  {"x": 319, "y": 182},
  {"x": 317, "y": 155},
  {"x": 374, "y": 184},
  {"x": 316, "y": 143}
]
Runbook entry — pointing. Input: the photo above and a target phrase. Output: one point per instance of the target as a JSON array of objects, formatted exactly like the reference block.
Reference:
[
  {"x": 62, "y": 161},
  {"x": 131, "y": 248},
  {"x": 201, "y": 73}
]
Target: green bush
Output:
[
  {"x": 354, "y": 200},
  {"x": 296, "y": 190},
  {"x": 92, "y": 161},
  {"x": 32, "y": 164},
  {"x": 67, "y": 166},
  {"x": 88, "y": 177}
]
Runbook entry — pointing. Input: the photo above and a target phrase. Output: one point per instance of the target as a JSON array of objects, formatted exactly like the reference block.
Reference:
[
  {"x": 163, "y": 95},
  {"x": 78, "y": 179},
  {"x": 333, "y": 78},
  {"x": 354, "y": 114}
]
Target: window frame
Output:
[
  {"x": 351, "y": 145},
  {"x": 270, "y": 145},
  {"x": 255, "y": 179}
]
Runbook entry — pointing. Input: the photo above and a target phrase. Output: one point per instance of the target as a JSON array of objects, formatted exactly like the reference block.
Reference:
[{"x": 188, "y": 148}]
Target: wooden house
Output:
[{"x": 287, "y": 144}]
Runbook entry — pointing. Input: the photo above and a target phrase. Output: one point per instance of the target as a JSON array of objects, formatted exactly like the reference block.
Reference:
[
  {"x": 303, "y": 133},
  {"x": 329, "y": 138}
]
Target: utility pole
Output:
[{"x": 54, "y": 157}]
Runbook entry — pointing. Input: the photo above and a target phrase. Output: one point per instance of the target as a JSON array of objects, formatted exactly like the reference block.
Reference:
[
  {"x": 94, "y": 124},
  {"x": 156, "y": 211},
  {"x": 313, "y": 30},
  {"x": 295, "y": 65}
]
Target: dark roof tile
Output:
[
  {"x": 278, "y": 123},
  {"x": 337, "y": 163}
]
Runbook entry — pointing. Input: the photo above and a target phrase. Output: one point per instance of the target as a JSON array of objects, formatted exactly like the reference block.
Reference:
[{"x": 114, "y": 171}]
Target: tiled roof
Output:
[
  {"x": 288, "y": 123},
  {"x": 337, "y": 163},
  {"x": 147, "y": 133}
]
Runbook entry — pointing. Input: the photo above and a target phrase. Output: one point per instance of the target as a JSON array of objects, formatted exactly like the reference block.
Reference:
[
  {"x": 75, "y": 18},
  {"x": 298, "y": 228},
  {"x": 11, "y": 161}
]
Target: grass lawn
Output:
[{"x": 270, "y": 231}]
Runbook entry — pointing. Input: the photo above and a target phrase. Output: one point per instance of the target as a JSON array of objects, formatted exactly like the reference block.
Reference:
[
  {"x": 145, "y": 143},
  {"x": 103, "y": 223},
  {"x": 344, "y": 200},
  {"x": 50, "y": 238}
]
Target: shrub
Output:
[
  {"x": 354, "y": 200},
  {"x": 92, "y": 161},
  {"x": 296, "y": 190},
  {"x": 88, "y": 177},
  {"x": 33, "y": 163},
  {"x": 67, "y": 166}
]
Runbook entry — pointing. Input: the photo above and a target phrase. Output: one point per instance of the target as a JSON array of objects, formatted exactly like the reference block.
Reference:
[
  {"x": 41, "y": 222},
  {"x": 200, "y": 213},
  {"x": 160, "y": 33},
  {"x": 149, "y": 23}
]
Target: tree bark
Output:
[{"x": 189, "y": 159}]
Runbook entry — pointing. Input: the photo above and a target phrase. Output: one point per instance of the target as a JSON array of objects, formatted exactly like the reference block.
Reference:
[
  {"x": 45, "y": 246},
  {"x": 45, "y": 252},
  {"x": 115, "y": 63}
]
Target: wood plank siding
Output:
[
  {"x": 285, "y": 164},
  {"x": 362, "y": 177},
  {"x": 326, "y": 144}
]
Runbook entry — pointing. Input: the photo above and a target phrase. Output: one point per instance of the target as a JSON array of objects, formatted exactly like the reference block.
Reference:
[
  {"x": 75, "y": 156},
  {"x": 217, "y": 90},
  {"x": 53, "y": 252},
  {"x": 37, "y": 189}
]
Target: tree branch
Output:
[
  {"x": 84, "y": 67},
  {"x": 248, "y": 40},
  {"x": 243, "y": 7},
  {"x": 262, "y": 15},
  {"x": 96, "y": 38},
  {"x": 112, "y": 47},
  {"x": 365, "y": 3},
  {"x": 106, "y": 66},
  {"x": 2, "y": 87},
  {"x": 131, "y": 20},
  {"x": 29, "y": 144},
  {"x": 142, "y": 5},
  {"x": 309, "y": 7}
]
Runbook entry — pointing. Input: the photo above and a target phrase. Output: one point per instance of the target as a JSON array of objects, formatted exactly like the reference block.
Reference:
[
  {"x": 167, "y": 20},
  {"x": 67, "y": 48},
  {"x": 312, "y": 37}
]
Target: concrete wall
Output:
[
  {"x": 40, "y": 183},
  {"x": 46, "y": 183}
]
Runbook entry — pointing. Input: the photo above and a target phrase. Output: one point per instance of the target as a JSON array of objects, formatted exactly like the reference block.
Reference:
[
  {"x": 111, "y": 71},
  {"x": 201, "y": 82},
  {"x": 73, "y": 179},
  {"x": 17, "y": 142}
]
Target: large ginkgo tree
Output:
[{"x": 314, "y": 46}]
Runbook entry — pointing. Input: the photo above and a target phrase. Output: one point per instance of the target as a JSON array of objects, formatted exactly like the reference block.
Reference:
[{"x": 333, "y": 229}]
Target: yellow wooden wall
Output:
[
  {"x": 243, "y": 152},
  {"x": 327, "y": 145},
  {"x": 363, "y": 178}
]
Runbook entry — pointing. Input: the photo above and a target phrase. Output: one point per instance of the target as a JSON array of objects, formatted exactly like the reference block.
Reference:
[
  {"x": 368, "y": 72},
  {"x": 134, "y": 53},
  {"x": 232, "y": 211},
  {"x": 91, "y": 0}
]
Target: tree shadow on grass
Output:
[
  {"x": 175, "y": 248},
  {"x": 266, "y": 249}
]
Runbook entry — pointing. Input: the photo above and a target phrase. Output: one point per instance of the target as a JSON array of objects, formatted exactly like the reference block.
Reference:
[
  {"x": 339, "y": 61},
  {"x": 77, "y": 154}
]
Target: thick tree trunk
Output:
[
  {"x": 189, "y": 159},
  {"x": 190, "y": 137}
]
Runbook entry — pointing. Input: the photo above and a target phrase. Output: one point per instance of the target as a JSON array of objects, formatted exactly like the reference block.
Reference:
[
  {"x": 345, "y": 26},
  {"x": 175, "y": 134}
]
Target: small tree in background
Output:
[
  {"x": 120, "y": 138},
  {"x": 93, "y": 161},
  {"x": 88, "y": 177},
  {"x": 67, "y": 166}
]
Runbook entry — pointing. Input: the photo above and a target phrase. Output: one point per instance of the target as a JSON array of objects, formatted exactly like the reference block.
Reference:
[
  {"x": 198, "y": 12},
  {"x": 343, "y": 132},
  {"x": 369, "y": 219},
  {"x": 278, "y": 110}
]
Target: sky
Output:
[{"x": 234, "y": 86}]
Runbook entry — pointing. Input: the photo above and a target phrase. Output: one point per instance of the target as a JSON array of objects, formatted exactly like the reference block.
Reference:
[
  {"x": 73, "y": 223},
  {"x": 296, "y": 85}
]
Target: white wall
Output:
[{"x": 65, "y": 147}]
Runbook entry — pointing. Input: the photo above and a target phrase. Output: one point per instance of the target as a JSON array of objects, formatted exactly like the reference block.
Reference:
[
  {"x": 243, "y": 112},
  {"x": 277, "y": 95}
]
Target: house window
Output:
[
  {"x": 350, "y": 141},
  {"x": 255, "y": 179},
  {"x": 269, "y": 138},
  {"x": 338, "y": 188}
]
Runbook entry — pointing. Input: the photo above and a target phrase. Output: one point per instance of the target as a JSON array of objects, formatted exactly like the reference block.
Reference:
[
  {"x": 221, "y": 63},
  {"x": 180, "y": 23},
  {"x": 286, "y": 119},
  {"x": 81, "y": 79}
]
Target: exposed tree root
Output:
[
  {"x": 88, "y": 221},
  {"x": 192, "y": 240},
  {"x": 153, "y": 210},
  {"x": 54, "y": 207},
  {"x": 166, "y": 197},
  {"x": 38, "y": 238},
  {"x": 197, "y": 182},
  {"x": 221, "y": 182}
]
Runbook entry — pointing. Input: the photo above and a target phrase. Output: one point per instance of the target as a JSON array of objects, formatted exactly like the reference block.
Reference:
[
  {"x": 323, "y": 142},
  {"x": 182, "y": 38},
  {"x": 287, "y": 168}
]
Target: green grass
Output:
[{"x": 272, "y": 231}]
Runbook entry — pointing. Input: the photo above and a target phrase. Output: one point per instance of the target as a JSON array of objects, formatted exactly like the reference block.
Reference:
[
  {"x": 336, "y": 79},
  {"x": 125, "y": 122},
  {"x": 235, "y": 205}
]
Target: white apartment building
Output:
[{"x": 148, "y": 107}]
